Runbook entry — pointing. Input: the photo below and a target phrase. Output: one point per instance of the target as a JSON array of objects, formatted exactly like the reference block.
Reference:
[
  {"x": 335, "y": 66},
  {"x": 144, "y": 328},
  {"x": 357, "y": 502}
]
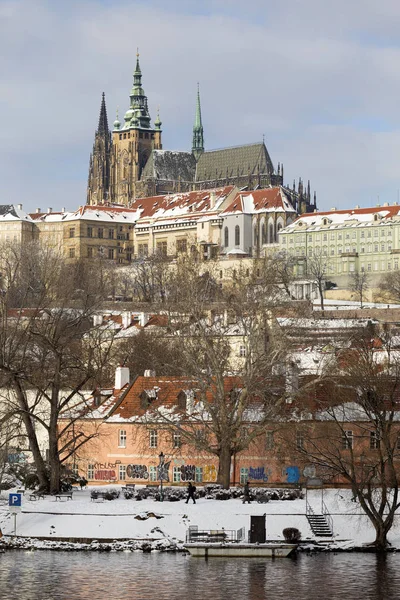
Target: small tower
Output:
[
  {"x": 198, "y": 137},
  {"x": 98, "y": 191}
]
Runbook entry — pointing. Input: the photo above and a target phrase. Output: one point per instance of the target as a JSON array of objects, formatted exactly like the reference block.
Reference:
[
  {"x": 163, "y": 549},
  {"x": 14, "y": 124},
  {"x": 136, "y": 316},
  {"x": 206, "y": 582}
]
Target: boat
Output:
[
  {"x": 231, "y": 549},
  {"x": 225, "y": 542}
]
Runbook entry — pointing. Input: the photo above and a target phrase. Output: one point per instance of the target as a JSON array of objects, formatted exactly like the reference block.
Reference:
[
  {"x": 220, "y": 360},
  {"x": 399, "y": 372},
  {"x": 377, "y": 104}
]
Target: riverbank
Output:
[{"x": 149, "y": 525}]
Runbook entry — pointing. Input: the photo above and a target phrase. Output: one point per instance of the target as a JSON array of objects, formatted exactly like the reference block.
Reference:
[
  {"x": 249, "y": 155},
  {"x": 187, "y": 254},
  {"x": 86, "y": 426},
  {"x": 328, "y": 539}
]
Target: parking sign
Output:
[{"x": 15, "y": 502}]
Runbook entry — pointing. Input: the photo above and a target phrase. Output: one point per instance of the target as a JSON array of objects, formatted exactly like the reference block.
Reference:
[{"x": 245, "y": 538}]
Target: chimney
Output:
[
  {"x": 38, "y": 211},
  {"x": 126, "y": 319},
  {"x": 292, "y": 381},
  {"x": 143, "y": 319},
  {"x": 212, "y": 199},
  {"x": 19, "y": 206},
  {"x": 97, "y": 320},
  {"x": 49, "y": 210},
  {"x": 333, "y": 209},
  {"x": 121, "y": 377},
  {"x": 63, "y": 209},
  {"x": 149, "y": 373}
]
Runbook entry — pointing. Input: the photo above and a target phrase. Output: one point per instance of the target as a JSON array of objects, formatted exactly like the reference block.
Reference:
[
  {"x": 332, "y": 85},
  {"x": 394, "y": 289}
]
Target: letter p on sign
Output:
[{"x": 14, "y": 500}]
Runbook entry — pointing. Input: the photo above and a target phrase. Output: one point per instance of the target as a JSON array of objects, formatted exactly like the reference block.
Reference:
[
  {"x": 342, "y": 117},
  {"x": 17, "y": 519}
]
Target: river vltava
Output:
[{"x": 45, "y": 575}]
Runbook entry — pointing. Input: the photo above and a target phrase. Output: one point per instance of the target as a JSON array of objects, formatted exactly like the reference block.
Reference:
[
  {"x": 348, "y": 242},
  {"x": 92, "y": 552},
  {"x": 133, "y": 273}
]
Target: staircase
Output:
[{"x": 319, "y": 525}]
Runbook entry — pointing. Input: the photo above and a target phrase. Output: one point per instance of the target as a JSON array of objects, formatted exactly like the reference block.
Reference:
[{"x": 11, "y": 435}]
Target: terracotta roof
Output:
[
  {"x": 268, "y": 199},
  {"x": 166, "y": 391}
]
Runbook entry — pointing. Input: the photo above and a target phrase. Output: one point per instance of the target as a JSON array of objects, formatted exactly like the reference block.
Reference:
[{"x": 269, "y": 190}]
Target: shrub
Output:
[{"x": 292, "y": 535}]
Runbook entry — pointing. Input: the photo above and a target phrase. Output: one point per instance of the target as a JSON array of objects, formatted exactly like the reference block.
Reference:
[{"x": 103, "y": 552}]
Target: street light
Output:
[{"x": 161, "y": 472}]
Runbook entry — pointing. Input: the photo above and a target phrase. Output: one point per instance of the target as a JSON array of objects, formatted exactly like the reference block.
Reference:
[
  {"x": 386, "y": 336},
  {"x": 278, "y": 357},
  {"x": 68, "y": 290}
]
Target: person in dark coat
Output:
[
  {"x": 246, "y": 493},
  {"x": 191, "y": 490}
]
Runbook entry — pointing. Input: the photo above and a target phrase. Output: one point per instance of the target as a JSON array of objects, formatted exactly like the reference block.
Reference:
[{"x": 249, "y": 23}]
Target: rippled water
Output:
[{"x": 44, "y": 575}]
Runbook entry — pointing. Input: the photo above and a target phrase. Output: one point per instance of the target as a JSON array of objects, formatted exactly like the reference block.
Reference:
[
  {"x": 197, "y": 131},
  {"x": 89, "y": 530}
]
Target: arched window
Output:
[
  {"x": 237, "y": 235},
  {"x": 271, "y": 234},
  {"x": 226, "y": 237},
  {"x": 255, "y": 235},
  {"x": 263, "y": 233}
]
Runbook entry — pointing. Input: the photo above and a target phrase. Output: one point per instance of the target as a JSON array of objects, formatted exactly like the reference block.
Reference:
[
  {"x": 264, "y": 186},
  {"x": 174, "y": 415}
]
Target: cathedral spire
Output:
[
  {"x": 198, "y": 137},
  {"x": 103, "y": 122}
]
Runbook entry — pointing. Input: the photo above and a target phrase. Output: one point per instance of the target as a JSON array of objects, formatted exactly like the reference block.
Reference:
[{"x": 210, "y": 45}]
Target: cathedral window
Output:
[
  {"x": 271, "y": 234},
  {"x": 264, "y": 233},
  {"x": 237, "y": 235},
  {"x": 226, "y": 237}
]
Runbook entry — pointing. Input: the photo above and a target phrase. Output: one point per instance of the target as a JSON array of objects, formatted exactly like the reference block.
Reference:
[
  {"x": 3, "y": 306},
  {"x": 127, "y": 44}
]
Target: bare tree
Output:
[
  {"x": 228, "y": 401},
  {"x": 317, "y": 269},
  {"x": 359, "y": 283},
  {"x": 49, "y": 354},
  {"x": 356, "y": 438}
]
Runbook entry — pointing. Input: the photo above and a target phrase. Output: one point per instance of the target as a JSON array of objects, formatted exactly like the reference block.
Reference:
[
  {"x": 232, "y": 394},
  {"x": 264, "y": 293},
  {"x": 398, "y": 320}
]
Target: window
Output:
[
  {"x": 242, "y": 351},
  {"x": 162, "y": 248},
  {"x": 90, "y": 231},
  {"x": 269, "y": 440},
  {"x": 111, "y": 234},
  {"x": 382, "y": 247},
  {"x": 347, "y": 440},
  {"x": 363, "y": 234},
  {"x": 368, "y": 266},
  {"x": 299, "y": 440},
  {"x": 90, "y": 472},
  {"x": 244, "y": 475},
  {"x": 176, "y": 474},
  {"x": 72, "y": 252},
  {"x": 237, "y": 235},
  {"x": 226, "y": 237},
  {"x": 72, "y": 232},
  {"x": 176, "y": 439},
  {"x": 181, "y": 246},
  {"x": 325, "y": 237},
  {"x": 122, "y": 472},
  {"x": 90, "y": 252},
  {"x": 396, "y": 264},
  {"x": 153, "y": 438},
  {"x": 111, "y": 253},
  {"x": 369, "y": 234},
  {"x": 182, "y": 400},
  {"x": 153, "y": 473},
  {"x": 143, "y": 249},
  {"x": 100, "y": 232},
  {"x": 374, "y": 441},
  {"x": 122, "y": 438},
  {"x": 198, "y": 474}
]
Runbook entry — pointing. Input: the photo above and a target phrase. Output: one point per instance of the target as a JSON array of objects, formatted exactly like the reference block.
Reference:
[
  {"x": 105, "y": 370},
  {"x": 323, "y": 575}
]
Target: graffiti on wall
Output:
[
  {"x": 105, "y": 474},
  {"x": 258, "y": 474},
  {"x": 137, "y": 472},
  {"x": 292, "y": 474}
]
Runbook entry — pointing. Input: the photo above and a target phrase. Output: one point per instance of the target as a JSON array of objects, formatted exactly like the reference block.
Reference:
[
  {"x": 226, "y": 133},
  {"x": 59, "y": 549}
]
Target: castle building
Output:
[{"x": 130, "y": 162}]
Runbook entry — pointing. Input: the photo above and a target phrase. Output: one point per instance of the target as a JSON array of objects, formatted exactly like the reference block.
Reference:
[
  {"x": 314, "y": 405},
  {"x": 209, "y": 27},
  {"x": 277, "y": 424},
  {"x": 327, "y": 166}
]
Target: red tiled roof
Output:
[{"x": 264, "y": 199}]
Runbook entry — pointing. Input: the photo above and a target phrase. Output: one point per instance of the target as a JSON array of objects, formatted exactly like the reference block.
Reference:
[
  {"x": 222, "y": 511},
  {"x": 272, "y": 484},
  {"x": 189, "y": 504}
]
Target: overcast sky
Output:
[{"x": 321, "y": 81}]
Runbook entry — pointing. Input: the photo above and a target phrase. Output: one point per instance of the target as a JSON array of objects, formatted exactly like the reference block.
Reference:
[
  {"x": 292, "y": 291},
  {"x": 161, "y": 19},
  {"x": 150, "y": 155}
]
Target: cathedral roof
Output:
[
  {"x": 235, "y": 161},
  {"x": 169, "y": 165}
]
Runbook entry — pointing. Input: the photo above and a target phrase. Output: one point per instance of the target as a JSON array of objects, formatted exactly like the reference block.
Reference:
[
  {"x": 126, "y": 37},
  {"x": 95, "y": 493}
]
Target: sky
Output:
[{"x": 320, "y": 80}]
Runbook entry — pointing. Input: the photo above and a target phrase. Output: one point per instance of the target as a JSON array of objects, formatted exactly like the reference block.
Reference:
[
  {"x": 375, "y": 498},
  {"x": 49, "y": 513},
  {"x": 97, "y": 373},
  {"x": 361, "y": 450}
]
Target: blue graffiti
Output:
[
  {"x": 258, "y": 473},
  {"x": 292, "y": 474}
]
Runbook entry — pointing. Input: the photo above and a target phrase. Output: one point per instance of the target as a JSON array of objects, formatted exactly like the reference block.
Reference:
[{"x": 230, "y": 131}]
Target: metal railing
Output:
[
  {"x": 193, "y": 535},
  {"x": 327, "y": 516}
]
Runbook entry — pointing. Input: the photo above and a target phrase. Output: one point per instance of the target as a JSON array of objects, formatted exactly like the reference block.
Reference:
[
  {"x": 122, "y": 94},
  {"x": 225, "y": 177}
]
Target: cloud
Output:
[{"x": 320, "y": 80}]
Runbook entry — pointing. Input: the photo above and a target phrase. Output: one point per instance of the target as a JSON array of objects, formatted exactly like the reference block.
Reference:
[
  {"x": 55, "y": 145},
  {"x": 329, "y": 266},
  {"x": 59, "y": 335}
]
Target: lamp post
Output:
[{"x": 161, "y": 472}]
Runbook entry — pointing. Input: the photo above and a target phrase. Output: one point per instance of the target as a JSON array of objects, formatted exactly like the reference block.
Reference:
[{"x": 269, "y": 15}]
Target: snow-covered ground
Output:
[
  {"x": 149, "y": 520},
  {"x": 349, "y": 304}
]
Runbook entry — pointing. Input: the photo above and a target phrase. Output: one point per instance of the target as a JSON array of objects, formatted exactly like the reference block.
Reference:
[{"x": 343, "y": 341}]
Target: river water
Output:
[{"x": 45, "y": 575}]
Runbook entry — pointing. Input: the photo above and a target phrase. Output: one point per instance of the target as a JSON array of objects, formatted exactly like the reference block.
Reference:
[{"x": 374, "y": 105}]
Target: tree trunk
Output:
[
  {"x": 321, "y": 295},
  {"x": 381, "y": 542},
  {"x": 224, "y": 468},
  {"x": 54, "y": 457}
]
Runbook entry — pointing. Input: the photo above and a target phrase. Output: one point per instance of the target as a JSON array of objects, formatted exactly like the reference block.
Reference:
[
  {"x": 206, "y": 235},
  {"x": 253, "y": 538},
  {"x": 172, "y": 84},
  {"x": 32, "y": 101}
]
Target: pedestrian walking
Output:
[
  {"x": 246, "y": 493},
  {"x": 191, "y": 490}
]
